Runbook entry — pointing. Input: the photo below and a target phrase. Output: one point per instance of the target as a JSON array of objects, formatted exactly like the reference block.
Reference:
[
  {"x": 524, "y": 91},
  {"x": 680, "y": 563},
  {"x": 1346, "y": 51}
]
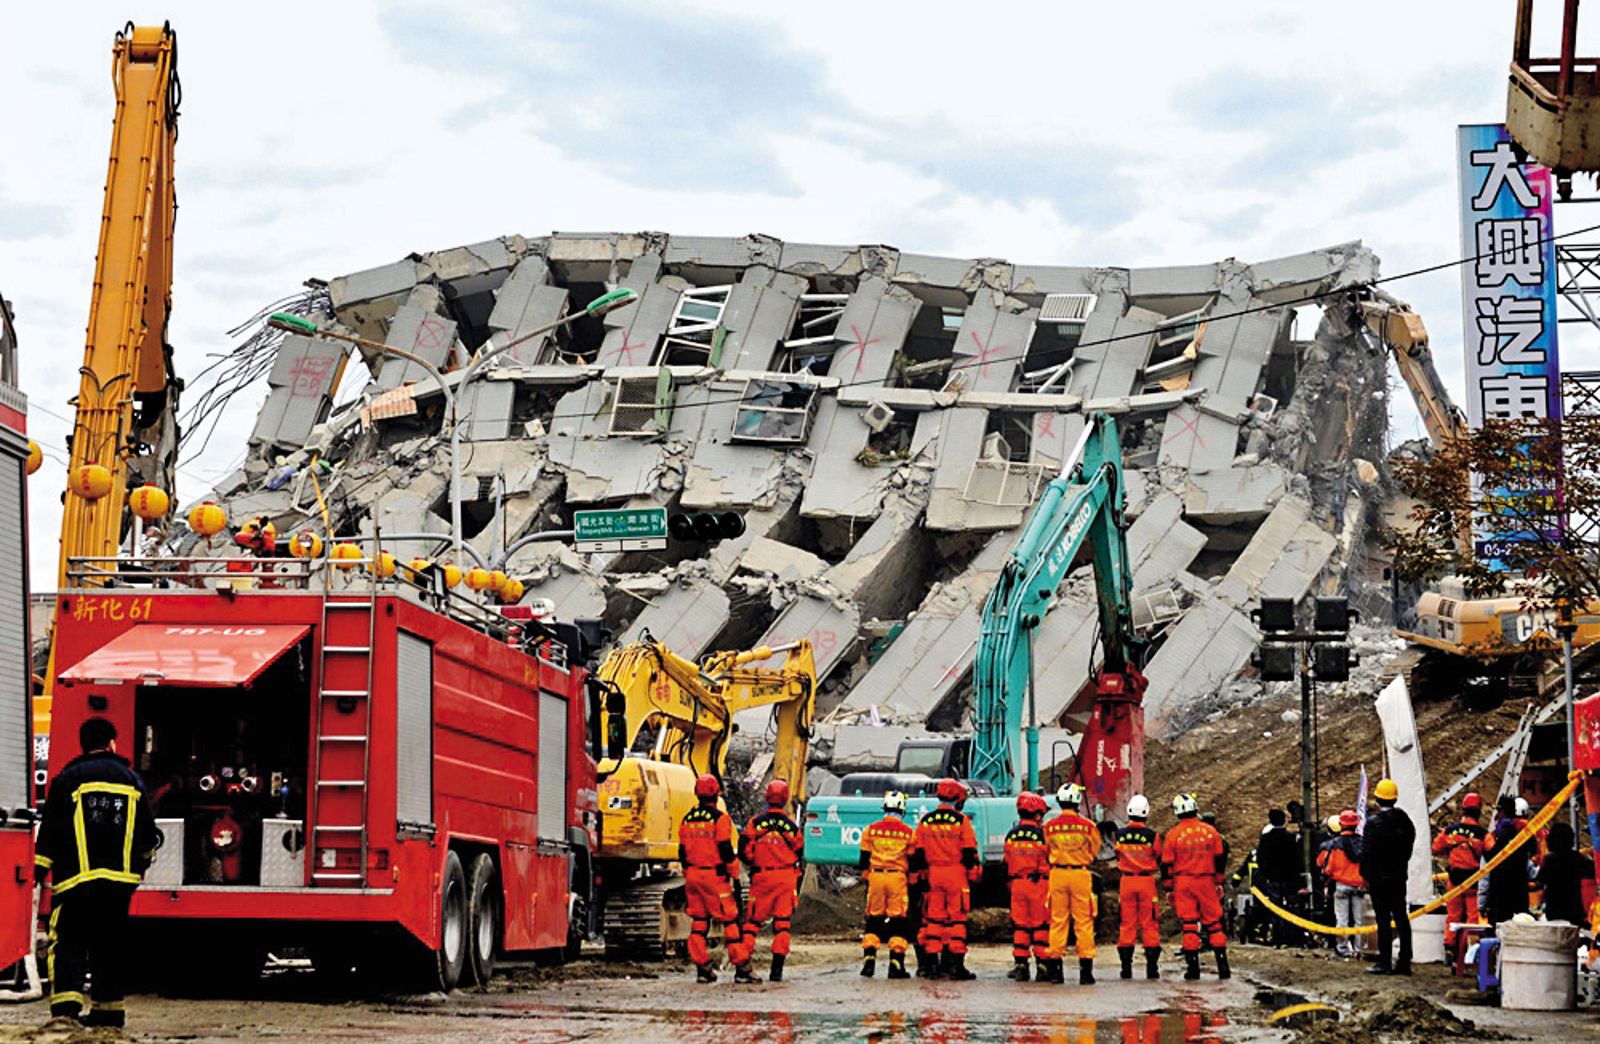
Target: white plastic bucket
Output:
[
  {"x": 1427, "y": 939},
  {"x": 1538, "y": 965}
]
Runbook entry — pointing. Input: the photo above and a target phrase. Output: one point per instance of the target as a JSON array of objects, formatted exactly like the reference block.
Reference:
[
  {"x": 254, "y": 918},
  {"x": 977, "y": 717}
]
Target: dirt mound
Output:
[{"x": 1397, "y": 1016}]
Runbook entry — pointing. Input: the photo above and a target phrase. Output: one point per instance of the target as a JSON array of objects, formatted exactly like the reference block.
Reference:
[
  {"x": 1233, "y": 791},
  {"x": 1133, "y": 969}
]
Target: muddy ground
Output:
[{"x": 823, "y": 999}]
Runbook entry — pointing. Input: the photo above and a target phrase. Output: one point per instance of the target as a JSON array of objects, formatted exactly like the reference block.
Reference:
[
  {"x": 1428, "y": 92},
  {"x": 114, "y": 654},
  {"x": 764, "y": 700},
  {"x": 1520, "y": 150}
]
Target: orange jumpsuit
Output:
[
  {"x": 705, "y": 848},
  {"x": 1072, "y": 842},
  {"x": 1028, "y": 867},
  {"x": 1191, "y": 852},
  {"x": 1138, "y": 857},
  {"x": 1463, "y": 846},
  {"x": 771, "y": 847},
  {"x": 886, "y": 857},
  {"x": 945, "y": 845}
]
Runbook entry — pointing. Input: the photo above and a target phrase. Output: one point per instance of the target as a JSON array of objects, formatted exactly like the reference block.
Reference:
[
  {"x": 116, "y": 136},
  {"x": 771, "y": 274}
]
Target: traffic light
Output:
[
  {"x": 1275, "y": 662},
  {"x": 1275, "y": 614},
  {"x": 706, "y": 525}
]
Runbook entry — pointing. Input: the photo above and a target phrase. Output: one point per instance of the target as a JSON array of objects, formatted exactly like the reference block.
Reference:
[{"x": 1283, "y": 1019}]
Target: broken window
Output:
[
  {"x": 926, "y": 358},
  {"x": 1056, "y": 335},
  {"x": 774, "y": 411},
  {"x": 1175, "y": 336},
  {"x": 695, "y": 331},
  {"x": 813, "y": 339},
  {"x": 891, "y": 435},
  {"x": 1002, "y": 475},
  {"x": 633, "y": 406}
]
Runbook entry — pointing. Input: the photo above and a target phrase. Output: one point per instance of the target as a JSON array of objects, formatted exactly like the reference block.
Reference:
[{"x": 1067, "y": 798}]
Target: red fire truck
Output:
[
  {"x": 16, "y": 742},
  {"x": 377, "y": 771}
]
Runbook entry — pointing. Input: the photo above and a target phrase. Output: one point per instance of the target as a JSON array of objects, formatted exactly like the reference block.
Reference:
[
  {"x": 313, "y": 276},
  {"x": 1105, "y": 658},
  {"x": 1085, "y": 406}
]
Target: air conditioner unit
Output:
[
  {"x": 995, "y": 447},
  {"x": 878, "y": 416}
]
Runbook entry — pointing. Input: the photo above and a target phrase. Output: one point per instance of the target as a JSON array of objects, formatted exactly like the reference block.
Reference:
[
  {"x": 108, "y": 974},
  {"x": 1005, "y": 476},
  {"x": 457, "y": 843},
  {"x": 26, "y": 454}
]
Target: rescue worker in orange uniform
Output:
[
  {"x": 1073, "y": 842},
  {"x": 1028, "y": 867},
  {"x": 1192, "y": 854},
  {"x": 886, "y": 862},
  {"x": 946, "y": 850},
  {"x": 1139, "y": 859},
  {"x": 1463, "y": 845},
  {"x": 1339, "y": 859},
  {"x": 710, "y": 865},
  {"x": 772, "y": 847}
]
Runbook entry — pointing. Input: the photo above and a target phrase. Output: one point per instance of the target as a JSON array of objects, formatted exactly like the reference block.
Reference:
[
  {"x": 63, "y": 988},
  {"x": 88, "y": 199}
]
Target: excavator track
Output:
[{"x": 645, "y": 919}]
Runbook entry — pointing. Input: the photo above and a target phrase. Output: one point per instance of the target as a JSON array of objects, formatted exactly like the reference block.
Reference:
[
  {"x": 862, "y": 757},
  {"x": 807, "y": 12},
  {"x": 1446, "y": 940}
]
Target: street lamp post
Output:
[{"x": 607, "y": 302}]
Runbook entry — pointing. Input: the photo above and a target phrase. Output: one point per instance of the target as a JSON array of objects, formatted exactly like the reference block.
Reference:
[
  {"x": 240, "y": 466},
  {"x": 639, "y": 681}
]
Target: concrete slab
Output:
[
  {"x": 1286, "y": 554},
  {"x": 1203, "y": 653},
  {"x": 687, "y": 617},
  {"x": 1234, "y": 495},
  {"x": 305, "y": 374}
]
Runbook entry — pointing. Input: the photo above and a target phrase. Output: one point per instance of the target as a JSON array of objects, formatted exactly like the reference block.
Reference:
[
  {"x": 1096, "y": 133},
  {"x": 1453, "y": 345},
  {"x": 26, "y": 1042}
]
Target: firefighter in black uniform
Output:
[{"x": 96, "y": 839}]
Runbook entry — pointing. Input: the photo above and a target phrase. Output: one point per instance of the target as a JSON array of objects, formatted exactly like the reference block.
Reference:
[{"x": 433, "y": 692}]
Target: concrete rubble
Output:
[{"x": 885, "y": 421}]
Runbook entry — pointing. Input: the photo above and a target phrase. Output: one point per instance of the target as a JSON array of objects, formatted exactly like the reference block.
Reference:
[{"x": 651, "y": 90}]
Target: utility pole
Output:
[{"x": 1305, "y": 759}]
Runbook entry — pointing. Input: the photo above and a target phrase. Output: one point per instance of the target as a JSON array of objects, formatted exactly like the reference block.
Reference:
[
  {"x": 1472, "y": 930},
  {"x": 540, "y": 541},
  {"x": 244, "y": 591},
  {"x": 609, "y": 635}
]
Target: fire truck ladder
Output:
[{"x": 349, "y": 631}]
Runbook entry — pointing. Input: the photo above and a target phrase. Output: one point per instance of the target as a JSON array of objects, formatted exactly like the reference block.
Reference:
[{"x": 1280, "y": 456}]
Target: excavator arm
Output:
[
  {"x": 692, "y": 705},
  {"x": 1082, "y": 505},
  {"x": 1401, "y": 331}
]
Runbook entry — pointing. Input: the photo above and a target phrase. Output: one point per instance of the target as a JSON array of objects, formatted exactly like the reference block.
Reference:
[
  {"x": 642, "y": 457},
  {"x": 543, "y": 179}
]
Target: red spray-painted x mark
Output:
[
  {"x": 1190, "y": 419},
  {"x": 985, "y": 353},
  {"x": 860, "y": 348},
  {"x": 430, "y": 334},
  {"x": 626, "y": 350},
  {"x": 1046, "y": 424}
]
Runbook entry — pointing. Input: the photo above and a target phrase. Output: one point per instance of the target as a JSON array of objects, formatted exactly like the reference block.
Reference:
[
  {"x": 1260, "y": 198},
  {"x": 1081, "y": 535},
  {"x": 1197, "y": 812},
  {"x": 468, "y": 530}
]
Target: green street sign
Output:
[{"x": 626, "y": 529}]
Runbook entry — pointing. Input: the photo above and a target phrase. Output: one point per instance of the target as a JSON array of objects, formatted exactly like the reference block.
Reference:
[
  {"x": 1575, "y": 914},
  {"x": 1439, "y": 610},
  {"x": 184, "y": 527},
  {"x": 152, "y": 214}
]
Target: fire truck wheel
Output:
[
  {"x": 451, "y": 959},
  {"x": 483, "y": 919}
]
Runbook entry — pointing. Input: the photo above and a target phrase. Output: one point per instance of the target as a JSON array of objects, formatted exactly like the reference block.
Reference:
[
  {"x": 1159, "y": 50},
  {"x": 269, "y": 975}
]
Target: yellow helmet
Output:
[{"x": 1386, "y": 790}]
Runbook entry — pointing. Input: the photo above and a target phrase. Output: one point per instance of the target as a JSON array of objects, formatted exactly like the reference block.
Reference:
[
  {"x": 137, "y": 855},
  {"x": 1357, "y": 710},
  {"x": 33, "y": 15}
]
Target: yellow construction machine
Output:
[
  {"x": 125, "y": 429},
  {"x": 673, "y": 718},
  {"x": 1465, "y": 639}
]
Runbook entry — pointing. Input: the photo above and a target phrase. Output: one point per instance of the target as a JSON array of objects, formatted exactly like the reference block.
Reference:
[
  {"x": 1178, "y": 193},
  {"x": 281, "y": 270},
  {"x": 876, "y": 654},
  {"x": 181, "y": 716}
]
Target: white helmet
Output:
[
  {"x": 1333, "y": 823},
  {"x": 1522, "y": 808},
  {"x": 1070, "y": 795},
  {"x": 1139, "y": 807},
  {"x": 1185, "y": 805},
  {"x": 894, "y": 801}
]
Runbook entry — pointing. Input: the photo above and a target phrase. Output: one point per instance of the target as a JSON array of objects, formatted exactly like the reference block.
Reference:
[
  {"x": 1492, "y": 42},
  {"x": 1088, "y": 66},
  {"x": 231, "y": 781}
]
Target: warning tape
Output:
[{"x": 1535, "y": 825}]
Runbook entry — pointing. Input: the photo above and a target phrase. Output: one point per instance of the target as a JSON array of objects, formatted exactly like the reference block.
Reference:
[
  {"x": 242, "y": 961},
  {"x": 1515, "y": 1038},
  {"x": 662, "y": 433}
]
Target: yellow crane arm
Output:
[
  {"x": 791, "y": 688},
  {"x": 125, "y": 352}
]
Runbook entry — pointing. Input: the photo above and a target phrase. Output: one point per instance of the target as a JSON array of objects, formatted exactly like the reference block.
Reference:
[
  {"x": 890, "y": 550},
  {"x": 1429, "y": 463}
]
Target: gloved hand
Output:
[{"x": 974, "y": 874}]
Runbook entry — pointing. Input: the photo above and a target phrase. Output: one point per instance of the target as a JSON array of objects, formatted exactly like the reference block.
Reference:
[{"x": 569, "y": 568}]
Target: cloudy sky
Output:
[{"x": 320, "y": 139}]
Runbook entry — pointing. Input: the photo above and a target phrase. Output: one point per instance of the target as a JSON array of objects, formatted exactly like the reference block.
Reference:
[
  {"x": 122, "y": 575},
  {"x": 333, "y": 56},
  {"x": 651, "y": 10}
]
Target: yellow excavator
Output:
[
  {"x": 1465, "y": 639},
  {"x": 125, "y": 431},
  {"x": 673, "y": 718}
]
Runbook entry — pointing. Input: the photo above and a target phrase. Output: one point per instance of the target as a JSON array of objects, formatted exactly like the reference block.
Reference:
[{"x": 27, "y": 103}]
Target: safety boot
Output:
[
  {"x": 703, "y": 973},
  {"x": 1222, "y": 963},
  {"x": 1126, "y": 953},
  {"x": 957, "y": 967},
  {"x": 742, "y": 973},
  {"x": 1085, "y": 971},
  {"x": 869, "y": 965},
  {"x": 1191, "y": 964},
  {"x": 897, "y": 966},
  {"x": 1152, "y": 962},
  {"x": 775, "y": 973},
  {"x": 1019, "y": 970},
  {"x": 1053, "y": 972},
  {"x": 927, "y": 964},
  {"x": 110, "y": 1018}
]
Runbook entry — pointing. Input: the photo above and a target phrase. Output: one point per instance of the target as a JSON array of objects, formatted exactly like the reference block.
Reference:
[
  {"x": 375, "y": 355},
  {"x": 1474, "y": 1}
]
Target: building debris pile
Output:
[{"x": 884, "y": 420}]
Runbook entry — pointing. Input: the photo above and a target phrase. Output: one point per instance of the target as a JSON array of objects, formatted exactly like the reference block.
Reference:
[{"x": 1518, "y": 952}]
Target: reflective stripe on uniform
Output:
[{"x": 80, "y": 836}]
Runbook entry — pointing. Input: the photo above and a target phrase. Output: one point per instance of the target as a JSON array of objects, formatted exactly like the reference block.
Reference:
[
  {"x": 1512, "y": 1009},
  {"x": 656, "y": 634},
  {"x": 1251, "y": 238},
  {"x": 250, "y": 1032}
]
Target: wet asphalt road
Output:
[{"x": 822, "y": 999}]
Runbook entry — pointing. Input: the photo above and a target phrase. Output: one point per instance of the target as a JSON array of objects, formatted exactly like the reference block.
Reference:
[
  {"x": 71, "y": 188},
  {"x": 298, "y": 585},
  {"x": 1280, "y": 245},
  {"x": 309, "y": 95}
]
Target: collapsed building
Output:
[{"x": 882, "y": 419}]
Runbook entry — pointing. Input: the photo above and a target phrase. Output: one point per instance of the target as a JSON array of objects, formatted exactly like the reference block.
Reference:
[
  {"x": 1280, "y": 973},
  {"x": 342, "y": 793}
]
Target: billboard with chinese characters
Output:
[
  {"x": 1508, "y": 287},
  {"x": 1508, "y": 295}
]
